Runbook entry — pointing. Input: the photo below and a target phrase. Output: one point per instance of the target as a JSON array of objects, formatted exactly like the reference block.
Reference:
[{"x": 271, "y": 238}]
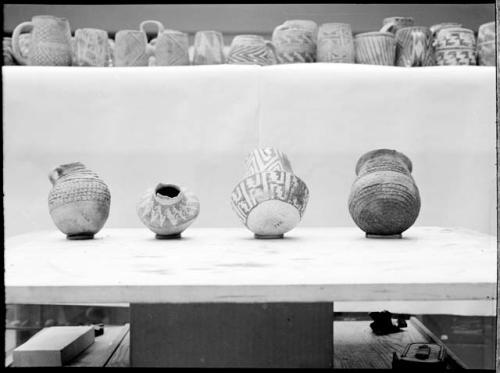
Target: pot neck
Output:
[
  {"x": 168, "y": 194},
  {"x": 384, "y": 160},
  {"x": 69, "y": 170}
]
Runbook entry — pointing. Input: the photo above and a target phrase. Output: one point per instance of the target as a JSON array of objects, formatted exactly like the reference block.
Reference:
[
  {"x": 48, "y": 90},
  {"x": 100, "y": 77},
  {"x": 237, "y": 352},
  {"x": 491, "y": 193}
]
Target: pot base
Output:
[
  {"x": 168, "y": 236},
  {"x": 80, "y": 236},
  {"x": 268, "y": 237},
  {"x": 369, "y": 235}
]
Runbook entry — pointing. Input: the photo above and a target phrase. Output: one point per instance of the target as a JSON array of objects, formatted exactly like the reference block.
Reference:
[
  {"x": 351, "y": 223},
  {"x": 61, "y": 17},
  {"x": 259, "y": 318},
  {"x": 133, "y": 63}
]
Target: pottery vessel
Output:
[
  {"x": 439, "y": 26},
  {"x": 414, "y": 47},
  {"x": 375, "y": 48},
  {"x": 131, "y": 48},
  {"x": 295, "y": 41},
  {"x": 49, "y": 45},
  {"x": 208, "y": 48},
  {"x": 486, "y": 53},
  {"x": 486, "y": 32},
  {"x": 384, "y": 199},
  {"x": 270, "y": 200},
  {"x": 79, "y": 201},
  {"x": 251, "y": 50},
  {"x": 335, "y": 43},
  {"x": 168, "y": 210},
  {"x": 91, "y": 47},
  {"x": 8, "y": 56},
  {"x": 171, "y": 48},
  {"x": 455, "y": 46},
  {"x": 393, "y": 24}
]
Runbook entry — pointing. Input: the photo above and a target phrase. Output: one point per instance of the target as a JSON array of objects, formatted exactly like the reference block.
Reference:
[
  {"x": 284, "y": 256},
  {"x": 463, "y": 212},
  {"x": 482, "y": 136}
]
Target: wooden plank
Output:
[
  {"x": 232, "y": 335},
  {"x": 102, "y": 349},
  {"x": 227, "y": 265},
  {"x": 121, "y": 356}
]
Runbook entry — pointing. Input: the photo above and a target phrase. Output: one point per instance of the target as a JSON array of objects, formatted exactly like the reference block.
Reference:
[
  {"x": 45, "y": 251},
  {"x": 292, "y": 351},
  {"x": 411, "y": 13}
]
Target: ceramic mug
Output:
[
  {"x": 335, "y": 43},
  {"x": 486, "y": 32},
  {"x": 375, "y": 48},
  {"x": 295, "y": 41},
  {"x": 208, "y": 48},
  {"x": 455, "y": 46},
  {"x": 414, "y": 46},
  {"x": 131, "y": 48},
  {"x": 251, "y": 50},
  {"x": 171, "y": 49},
  {"x": 91, "y": 47},
  {"x": 393, "y": 24},
  {"x": 50, "y": 42}
]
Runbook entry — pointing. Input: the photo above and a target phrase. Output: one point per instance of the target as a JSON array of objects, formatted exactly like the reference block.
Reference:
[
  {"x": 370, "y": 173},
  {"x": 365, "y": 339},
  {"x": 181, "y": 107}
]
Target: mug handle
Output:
[
  {"x": 16, "y": 50},
  {"x": 158, "y": 24},
  {"x": 388, "y": 27},
  {"x": 272, "y": 48}
]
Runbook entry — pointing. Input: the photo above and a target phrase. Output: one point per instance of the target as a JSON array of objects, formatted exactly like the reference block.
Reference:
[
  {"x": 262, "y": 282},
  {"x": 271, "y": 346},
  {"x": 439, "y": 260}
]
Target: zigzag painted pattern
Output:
[
  {"x": 294, "y": 46},
  {"x": 249, "y": 54},
  {"x": 375, "y": 50},
  {"x": 267, "y": 159},
  {"x": 414, "y": 51},
  {"x": 455, "y": 39},
  {"x": 455, "y": 57},
  {"x": 172, "y": 50},
  {"x": 276, "y": 185}
]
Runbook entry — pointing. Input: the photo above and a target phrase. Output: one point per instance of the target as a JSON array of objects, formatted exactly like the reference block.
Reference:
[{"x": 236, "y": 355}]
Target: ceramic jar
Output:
[
  {"x": 486, "y": 45},
  {"x": 375, "y": 48},
  {"x": 384, "y": 199},
  {"x": 168, "y": 210},
  {"x": 455, "y": 46},
  {"x": 414, "y": 47},
  {"x": 171, "y": 49},
  {"x": 131, "y": 48},
  {"x": 91, "y": 47},
  {"x": 79, "y": 201},
  {"x": 335, "y": 43},
  {"x": 393, "y": 24},
  {"x": 295, "y": 41},
  {"x": 208, "y": 48},
  {"x": 251, "y": 50},
  {"x": 270, "y": 200},
  {"x": 49, "y": 45}
]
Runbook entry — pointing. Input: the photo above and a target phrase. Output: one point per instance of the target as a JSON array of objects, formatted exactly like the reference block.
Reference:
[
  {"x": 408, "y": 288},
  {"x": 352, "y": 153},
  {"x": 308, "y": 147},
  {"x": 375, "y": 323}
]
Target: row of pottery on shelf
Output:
[
  {"x": 398, "y": 42},
  {"x": 270, "y": 200}
]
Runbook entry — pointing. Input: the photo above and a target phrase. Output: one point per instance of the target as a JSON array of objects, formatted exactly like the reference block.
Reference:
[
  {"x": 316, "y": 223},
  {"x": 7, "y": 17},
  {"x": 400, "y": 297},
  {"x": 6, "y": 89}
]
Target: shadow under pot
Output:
[
  {"x": 168, "y": 210},
  {"x": 384, "y": 199},
  {"x": 79, "y": 201}
]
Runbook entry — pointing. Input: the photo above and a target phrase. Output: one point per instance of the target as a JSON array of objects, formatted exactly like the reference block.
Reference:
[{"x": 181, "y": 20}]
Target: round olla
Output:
[
  {"x": 270, "y": 203},
  {"x": 384, "y": 198}
]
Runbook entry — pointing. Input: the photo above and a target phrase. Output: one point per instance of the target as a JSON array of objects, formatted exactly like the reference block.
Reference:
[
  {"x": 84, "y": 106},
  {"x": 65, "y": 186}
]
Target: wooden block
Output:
[
  {"x": 98, "y": 354},
  {"x": 249, "y": 335},
  {"x": 54, "y": 346}
]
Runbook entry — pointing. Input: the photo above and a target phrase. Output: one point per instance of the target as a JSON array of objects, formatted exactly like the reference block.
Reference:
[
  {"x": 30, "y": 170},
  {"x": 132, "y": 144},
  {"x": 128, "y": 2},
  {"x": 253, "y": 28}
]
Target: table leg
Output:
[{"x": 232, "y": 335}]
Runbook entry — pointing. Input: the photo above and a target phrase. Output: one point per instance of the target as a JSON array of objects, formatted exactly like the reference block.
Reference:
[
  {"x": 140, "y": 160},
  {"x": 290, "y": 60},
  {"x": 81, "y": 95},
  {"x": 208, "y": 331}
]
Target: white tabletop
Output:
[{"x": 229, "y": 265}]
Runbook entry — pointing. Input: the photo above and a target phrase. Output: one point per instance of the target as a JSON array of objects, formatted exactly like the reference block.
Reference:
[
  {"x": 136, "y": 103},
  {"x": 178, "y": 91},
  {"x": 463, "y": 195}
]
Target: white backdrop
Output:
[{"x": 194, "y": 126}]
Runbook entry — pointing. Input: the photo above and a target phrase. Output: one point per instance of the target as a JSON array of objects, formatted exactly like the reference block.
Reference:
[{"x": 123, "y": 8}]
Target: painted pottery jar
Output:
[
  {"x": 49, "y": 44},
  {"x": 251, "y": 50},
  {"x": 271, "y": 199},
  {"x": 393, "y": 24},
  {"x": 295, "y": 41},
  {"x": 486, "y": 32},
  {"x": 171, "y": 49},
  {"x": 455, "y": 46},
  {"x": 208, "y": 48},
  {"x": 168, "y": 210},
  {"x": 486, "y": 53},
  {"x": 79, "y": 201},
  {"x": 414, "y": 47},
  {"x": 375, "y": 48},
  {"x": 8, "y": 56},
  {"x": 384, "y": 199},
  {"x": 335, "y": 43}
]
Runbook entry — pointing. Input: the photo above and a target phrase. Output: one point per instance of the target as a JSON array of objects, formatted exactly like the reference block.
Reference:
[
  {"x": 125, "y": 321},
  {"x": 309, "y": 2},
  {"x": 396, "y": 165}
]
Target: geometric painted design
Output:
[
  {"x": 455, "y": 56},
  {"x": 454, "y": 38},
  {"x": 171, "y": 49},
  {"x": 267, "y": 159},
  {"x": 91, "y": 48},
  {"x": 208, "y": 48},
  {"x": 269, "y": 185},
  {"x": 375, "y": 48},
  {"x": 131, "y": 48},
  {"x": 335, "y": 43},
  {"x": 250, "y": 49},
  {"x": 414, "y": 47},
  {"x": 295, "y": 41}
]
